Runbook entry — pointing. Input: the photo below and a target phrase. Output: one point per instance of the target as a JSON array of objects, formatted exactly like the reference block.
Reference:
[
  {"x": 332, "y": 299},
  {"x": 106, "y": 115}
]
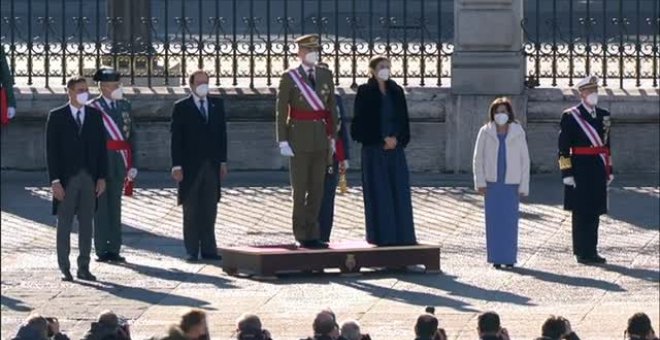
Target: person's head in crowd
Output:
[
  {"x": 108, "y": 326},
  {"x": 490, "y": 327},
  {"x": 248, "y": 327},
  {"x": 34, "y": 327},
  {"x": 640, "y": 328},
  {"x": 350, "y": 330},
  {"x": 324, "y": 325},
  {"x": 426, "y": 327},
  {"x": 193, "y": 324},
  {"x": 555, "y": 328}
]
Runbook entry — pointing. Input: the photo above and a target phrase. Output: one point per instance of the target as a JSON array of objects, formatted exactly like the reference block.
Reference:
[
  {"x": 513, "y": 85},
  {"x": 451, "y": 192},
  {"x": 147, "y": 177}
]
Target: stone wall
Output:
[{"x": 635, "y": 134}]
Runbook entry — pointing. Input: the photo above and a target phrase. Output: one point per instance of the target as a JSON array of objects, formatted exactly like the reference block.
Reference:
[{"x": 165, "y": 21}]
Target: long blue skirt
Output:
[
  {"x": 387, "y": 202},
  {"x": 502, "y": 201}
]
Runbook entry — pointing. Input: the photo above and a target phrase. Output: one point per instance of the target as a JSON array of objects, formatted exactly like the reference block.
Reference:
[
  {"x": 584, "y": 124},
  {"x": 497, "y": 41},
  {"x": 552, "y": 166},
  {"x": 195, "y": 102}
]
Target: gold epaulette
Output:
[{"x": 565, "y": 163}]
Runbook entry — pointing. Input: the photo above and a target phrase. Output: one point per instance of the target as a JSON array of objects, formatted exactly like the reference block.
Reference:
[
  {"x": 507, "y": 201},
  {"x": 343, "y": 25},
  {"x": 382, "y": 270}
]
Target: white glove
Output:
[
  {"x": 345, "y": 164},
  {"x": 570, "y": 181},
  {"x": 610, "y": 179},
  {"x": 333, "y": 145},
  {"x": 132, "y": 173},
  {"x": 11, "y": 112},
  {"x": 285, "y": 149}
]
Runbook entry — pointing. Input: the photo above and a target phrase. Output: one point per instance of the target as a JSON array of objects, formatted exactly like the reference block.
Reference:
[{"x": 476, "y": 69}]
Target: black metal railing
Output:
[
  {"x": 614, "y": 39},
  {"x": 246, "y": 42},
  {"x": 250, "y": 42}
]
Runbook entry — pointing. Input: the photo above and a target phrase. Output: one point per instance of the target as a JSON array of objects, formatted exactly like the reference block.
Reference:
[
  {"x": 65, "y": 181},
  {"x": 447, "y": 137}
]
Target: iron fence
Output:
[
  {"x": 251, "y": 42},
  {"x": 614, "y": 39}
]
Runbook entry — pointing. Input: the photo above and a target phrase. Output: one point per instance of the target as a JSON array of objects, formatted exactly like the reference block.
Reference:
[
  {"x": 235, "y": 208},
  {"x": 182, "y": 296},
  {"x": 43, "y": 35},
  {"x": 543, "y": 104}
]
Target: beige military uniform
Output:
[{"x": 310, "y": 142}]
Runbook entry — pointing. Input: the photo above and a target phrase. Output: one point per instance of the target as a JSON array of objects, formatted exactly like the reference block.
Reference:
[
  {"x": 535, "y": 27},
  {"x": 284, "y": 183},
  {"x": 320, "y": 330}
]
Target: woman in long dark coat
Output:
[{"x": 380, "y": 124}]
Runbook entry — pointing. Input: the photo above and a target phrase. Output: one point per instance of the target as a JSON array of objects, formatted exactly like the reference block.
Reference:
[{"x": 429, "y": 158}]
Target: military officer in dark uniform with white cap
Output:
[
  {"x": 120, "y": 140},
  {"x": 586, "y": 167}
]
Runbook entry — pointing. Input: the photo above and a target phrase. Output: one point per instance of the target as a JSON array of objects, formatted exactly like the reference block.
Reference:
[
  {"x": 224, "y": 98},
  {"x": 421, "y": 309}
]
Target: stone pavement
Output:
[{"x": 156, "y": 284}]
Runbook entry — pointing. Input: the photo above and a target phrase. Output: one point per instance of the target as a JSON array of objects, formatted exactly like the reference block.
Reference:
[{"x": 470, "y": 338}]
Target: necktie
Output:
[
  {"x": 311, "y": 77},
  {"x": 113, "y": 106},
  {"x": 79, "y": 120},
  {"x": 202, "y": 109}
]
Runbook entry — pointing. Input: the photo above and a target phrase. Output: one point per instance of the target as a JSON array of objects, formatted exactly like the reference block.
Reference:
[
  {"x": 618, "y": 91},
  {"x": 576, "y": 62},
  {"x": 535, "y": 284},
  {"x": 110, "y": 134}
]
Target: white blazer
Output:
[{"x": 484, "y": 162}]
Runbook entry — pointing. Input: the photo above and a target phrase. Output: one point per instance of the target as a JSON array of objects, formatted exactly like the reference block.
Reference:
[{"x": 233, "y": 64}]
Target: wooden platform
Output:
[{"x": 349, "y": 257}]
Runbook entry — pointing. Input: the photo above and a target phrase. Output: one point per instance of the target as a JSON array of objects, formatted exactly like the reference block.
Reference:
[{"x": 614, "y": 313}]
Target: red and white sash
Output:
[
  {"x": 310, "y": 95},
  {"x": 113, "y": 131},
  {"x": 590, "y": 132}
]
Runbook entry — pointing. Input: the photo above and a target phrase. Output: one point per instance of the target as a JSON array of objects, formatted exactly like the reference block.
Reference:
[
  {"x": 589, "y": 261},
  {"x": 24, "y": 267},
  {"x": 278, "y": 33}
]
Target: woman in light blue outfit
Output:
[{"x": 501, "y": 173}]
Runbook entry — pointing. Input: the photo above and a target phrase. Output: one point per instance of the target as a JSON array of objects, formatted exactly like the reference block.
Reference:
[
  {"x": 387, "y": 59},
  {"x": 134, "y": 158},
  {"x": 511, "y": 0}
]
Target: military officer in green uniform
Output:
[
  {"x": 122, "y": 171},
  {"x": 306, "y": 130}
]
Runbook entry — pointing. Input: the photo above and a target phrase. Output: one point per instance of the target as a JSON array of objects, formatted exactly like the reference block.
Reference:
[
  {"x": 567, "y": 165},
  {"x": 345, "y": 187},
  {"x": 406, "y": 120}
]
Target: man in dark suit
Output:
[
  {"x": 77, "y": 164},
  {"x": 199, "y": 156},
  {"x": 339, "y": 167}
]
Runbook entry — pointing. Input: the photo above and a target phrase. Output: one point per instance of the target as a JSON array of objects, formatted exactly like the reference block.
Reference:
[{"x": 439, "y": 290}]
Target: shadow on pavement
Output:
[
  {"x": 14, "y": 304},
  {"x": 568, "y": 280},
  {"x": 145, "y": 295},
  {"x": 635, "y": 273},
  {"x": 174, "y": 274}
]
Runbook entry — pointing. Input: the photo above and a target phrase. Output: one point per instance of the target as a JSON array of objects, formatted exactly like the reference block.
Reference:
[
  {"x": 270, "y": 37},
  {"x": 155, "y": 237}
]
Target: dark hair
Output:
[
  {"x": 75, "y": 80},
  {"x": 191, "y": 319},
  {"x": 639, "y": 324},
  {"x": 426, "y": 326},
  {"x": 191, "y": 79},
  {"x": 489, "y": 322},
  {"x": 496, "y": 103},
  {"x": 324, "y": 323},
  {"x": 323, "y": 64},
  {"x": 249, "y": 322},
  {"x": 554, "y": 327}
]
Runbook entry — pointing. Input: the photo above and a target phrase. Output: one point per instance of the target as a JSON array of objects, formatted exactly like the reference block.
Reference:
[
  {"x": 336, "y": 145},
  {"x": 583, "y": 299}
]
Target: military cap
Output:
[
  {"x": 308, "y": 41},
  {"x": 106, "y": 74},
  {"x": 587, "y": 83}
]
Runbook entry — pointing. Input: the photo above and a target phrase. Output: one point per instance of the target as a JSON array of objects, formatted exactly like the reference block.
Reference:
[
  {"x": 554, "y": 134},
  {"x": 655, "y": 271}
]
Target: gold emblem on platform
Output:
[{"x": 350, "y": 262}]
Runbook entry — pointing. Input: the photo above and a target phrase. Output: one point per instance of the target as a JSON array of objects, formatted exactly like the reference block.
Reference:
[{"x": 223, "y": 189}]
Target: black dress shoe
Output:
[
  {"x": 598, "y": 259},
  {"x": 497, "y": 266},
  {"x": 66, "y": 276},
  {"x": 316, "y": 245},
  {"x": 105, "y": 257},
  {"x": 584, "y": 260},
  {"x": 117, "y": 258},
  {"x": 191, "y": 258},
  {"x": 85, "y": 275},
  {"x": 213, "y": 257}
]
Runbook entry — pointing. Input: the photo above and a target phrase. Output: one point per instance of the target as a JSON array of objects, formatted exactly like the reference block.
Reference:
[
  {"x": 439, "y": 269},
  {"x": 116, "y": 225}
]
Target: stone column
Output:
[{"x": 487, "y": 62}]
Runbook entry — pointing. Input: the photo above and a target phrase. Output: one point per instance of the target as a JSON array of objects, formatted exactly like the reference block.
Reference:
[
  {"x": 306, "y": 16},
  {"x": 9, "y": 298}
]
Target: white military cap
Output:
[{"x": 588, "y": 82}]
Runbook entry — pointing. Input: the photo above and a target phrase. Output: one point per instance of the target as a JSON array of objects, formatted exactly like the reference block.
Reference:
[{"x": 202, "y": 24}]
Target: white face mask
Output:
[
  {"x": 383, "y": 74},
  {"x": 312, "y": 58},
  {"x": 592, "y": 99},
  {"x": 117, "y": 94},
  {"x": 202, "y": 90},
  {"x": 82, "y": 98},
  {"x": 501, "y": 118}
]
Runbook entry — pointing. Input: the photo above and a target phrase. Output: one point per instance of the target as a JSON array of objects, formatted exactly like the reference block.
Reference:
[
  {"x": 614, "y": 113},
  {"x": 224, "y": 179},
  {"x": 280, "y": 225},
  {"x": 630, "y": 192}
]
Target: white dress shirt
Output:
[{"x": 74, "y": 113}]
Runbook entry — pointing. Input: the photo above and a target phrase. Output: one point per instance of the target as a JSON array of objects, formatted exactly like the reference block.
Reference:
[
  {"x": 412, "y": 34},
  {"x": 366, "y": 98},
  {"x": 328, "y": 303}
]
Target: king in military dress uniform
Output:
[
  {"x": 586, "y": 168},
  {"x": 306, "y": 130},
  {"x": 120, "y": 142}
]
